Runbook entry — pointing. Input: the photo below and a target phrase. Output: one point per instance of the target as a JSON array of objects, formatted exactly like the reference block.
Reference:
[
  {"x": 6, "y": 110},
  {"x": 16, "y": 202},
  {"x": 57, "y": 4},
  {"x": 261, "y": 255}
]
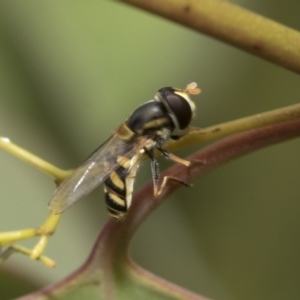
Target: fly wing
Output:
[{"x": 95, "y": 169}]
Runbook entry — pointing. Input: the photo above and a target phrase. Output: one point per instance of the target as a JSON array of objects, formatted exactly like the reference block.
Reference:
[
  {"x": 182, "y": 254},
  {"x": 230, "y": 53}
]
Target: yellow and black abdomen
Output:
[
  {"x": 118, "y": 187},
  {"x": 115, "y": 192}
]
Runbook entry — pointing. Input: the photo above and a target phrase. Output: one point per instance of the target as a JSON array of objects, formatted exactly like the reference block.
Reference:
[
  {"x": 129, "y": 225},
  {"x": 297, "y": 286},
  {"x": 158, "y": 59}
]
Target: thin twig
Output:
[{"x": 34, "y": 160}]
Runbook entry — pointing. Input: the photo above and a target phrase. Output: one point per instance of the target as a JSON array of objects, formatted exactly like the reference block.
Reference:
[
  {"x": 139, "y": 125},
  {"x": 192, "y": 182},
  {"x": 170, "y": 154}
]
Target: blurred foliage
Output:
[
  {"x": 72, "y": 71},
  {"x": 11, "y": 280}
]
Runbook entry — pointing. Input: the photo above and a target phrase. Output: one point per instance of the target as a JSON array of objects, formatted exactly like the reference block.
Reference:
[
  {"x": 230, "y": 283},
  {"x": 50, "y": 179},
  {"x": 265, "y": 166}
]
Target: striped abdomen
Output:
[{"x": 118, "y": 187}]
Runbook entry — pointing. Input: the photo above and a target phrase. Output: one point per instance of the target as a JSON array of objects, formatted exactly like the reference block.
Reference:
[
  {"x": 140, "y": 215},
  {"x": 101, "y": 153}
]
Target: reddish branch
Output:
[{"x": 110, "y": 252}]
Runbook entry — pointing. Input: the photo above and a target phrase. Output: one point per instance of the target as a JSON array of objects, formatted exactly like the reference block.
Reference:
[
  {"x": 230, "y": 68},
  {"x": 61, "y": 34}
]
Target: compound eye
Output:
[{"x": 178, "y": 106}]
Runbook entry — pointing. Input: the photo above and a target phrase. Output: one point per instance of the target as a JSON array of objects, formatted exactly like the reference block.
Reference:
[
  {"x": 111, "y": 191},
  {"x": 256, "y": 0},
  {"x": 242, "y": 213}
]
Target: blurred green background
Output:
[{"x": 72, "y": 71}]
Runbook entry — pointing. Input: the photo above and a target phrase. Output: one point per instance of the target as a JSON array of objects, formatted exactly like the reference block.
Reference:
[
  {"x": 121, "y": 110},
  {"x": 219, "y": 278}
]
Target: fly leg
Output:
[
  {"x": 155, "y": 171},
  {"x": 177, "y": 159},
  {"x": 173, "y": 157},
  {"x": 167, "y": 179}
]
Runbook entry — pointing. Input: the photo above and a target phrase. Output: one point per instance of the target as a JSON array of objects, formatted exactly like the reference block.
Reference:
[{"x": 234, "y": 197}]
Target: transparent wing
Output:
[{"x": 95, "y": 169}]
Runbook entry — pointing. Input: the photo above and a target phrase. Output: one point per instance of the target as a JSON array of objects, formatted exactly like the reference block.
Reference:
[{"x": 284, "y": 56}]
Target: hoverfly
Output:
[{"x": 116, "y": 161}]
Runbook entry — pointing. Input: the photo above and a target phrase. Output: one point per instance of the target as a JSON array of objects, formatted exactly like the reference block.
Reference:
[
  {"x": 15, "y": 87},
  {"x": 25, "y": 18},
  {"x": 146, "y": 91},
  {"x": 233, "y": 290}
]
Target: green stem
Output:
[
  {"x": 195, "y": 135},
  {"x": 34, "y": 160},
  {"x": 234, "y": 25}
]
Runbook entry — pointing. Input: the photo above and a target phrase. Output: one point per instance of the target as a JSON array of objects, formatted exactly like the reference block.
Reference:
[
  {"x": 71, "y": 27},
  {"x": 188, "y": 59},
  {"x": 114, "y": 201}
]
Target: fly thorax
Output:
[
  {"x": 125, "y": 133},
  {"x": 149, "y": 117}
]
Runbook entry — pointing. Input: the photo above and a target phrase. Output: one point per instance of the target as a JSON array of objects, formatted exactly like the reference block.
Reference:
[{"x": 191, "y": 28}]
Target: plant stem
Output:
[
  {"x": 34, "y": 160},
  {"x": 195, "y": 135},
  {"x": 234, "y": 25},
  {"x": 203, "y": 162}
]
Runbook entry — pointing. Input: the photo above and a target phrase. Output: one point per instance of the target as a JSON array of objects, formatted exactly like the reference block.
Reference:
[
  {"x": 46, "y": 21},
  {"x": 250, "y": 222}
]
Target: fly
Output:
[{"x": 116, "y": 161}]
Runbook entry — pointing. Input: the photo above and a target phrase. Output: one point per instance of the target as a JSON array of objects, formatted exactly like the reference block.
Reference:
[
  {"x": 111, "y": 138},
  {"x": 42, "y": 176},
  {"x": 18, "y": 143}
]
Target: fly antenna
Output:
[{"x": 192, "y": 89}]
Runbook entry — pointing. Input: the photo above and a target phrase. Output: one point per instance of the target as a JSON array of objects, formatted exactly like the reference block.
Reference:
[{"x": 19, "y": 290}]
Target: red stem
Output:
[{"x": 111, "y": 247}]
